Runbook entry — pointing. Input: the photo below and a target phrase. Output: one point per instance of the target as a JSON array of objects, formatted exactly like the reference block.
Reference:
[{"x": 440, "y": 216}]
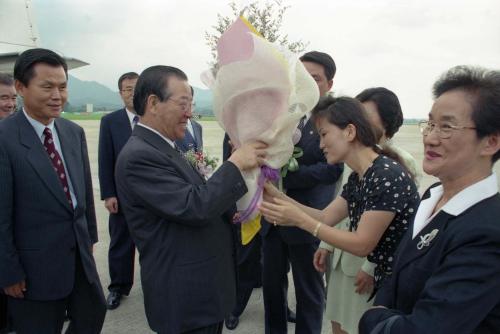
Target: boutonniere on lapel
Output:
[
  {"x": 425, "y": 240},
  {"x": 202, "y": 162}
]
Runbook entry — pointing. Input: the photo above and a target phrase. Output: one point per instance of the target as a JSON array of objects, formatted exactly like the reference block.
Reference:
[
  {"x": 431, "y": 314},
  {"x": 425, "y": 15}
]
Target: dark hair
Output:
[
  {"x": 154, "y": 81},
  {"x": 342, "y": 111},
  {"x": 25, "y": 63},
  {"x": 126, "y": 76},
  {"x": 6, "y": 79},
  {"x": 388, "y": 106},
  {"x": 483, "y": 86},
  {"x": 322, "y": 59}
]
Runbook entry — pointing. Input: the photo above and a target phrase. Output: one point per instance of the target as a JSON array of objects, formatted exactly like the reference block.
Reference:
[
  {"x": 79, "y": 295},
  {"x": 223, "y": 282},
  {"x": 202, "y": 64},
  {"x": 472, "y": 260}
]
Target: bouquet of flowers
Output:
[
  {"x": 260, "y": 93},
  {"x": 202, "y": 162}
]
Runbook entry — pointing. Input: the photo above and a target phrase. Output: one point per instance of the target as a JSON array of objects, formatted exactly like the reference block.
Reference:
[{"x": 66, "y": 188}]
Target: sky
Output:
[{"x": 403, "y": 45}]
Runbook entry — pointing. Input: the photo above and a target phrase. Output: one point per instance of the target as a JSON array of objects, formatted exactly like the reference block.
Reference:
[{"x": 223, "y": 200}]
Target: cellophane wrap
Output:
[{"x": 259, "y": 93}]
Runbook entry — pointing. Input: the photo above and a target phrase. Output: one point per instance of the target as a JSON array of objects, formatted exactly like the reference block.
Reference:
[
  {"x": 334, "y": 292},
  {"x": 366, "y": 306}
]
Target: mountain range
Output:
[{"x": 103, "y": 98}]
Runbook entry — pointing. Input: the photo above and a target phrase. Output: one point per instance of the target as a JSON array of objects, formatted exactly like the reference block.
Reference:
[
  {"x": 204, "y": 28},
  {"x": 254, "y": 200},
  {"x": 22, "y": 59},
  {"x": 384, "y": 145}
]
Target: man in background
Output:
[
  {"x": 47, "y": 215},
  {"x": 7, "y": 96},
  {"x": 7, "y": 106},
  {"x": 115, "y": 131}
]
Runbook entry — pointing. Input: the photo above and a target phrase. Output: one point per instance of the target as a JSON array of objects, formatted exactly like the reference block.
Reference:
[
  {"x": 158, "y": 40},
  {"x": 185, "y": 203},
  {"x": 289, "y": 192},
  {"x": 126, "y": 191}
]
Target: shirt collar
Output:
[
  {"x": 130, "y": 115},
  {"x": 472, "y": 195},
  {"x": 462, "y": 201},
  {"x": 39, "y": 127},
  {"x": 170, "y": 142}
]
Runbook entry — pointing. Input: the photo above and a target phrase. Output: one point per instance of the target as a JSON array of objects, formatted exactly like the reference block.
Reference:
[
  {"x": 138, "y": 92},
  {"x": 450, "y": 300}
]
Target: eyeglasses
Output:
[
  {"x": 444, "y": 131},
  {"x": 128, "y": 90},
  {"x": 184, "y": 105}
]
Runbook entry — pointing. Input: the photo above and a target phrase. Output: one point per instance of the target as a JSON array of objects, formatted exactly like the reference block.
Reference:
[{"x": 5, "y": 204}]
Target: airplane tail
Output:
[{"x": 18, "y": 29}]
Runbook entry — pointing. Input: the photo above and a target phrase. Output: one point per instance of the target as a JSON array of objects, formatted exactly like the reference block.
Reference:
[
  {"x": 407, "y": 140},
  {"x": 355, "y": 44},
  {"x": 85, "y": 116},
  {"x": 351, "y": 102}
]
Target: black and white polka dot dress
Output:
[{"x": 385, "y": 186}]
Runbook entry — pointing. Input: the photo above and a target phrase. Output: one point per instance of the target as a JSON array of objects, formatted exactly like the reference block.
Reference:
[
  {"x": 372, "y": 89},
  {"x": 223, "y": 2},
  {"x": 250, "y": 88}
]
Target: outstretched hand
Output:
[
  {"x": 281, "y": 212},
  {"x": 270, "y": 192}
]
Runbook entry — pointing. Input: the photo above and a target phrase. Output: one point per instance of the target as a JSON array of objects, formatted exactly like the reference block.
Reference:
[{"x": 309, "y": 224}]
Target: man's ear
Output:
[
  {"x": 19, "y": 87},
  {"x": 151, "y": 103},
  {"x": 491, "y": 145},
  {"x": 330, "y": 84}
]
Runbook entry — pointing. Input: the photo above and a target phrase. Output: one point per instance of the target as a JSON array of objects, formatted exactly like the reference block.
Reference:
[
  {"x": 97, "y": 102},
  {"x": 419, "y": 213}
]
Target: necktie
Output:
[
  {"x": 57, "y": 163},
  {"x": 135, "y": 121}
]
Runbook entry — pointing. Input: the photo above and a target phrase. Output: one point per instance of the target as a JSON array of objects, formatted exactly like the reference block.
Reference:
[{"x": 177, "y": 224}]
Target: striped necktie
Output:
[{"x": 57, "y": 163}]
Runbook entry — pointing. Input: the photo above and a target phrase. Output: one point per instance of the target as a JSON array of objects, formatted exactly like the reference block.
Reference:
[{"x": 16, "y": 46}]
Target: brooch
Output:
[{"x": 425, "y": 240}]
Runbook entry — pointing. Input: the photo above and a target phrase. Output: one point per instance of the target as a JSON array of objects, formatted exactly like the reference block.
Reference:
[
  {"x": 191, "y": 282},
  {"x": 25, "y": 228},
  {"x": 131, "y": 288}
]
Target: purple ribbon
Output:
[{"x": 266, "y": 173}]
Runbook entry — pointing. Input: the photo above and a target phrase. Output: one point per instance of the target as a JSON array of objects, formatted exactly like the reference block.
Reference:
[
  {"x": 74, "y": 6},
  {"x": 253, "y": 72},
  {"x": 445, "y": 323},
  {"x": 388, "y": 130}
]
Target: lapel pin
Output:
[{"x": 425, "y": 240}]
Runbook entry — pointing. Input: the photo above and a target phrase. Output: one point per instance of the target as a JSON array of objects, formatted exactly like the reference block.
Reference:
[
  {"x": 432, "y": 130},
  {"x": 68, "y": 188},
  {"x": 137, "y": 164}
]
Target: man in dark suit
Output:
[
  {"x": 312, "y": 185},
  {"x": 115, "y": 130},
  {"x": 176, "y": 218},
  {"x": 47, "y": 216},
  {"x": 7, "y": 106},
  {"x": 193, "y": 137},
  {"x": 7, "y": 96}
]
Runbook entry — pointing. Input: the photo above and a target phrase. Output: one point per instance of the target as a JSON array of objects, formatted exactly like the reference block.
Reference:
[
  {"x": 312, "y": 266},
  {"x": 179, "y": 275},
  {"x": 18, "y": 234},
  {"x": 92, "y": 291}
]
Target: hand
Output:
[
  {"x": 270, "y": 192},
  {"x": 281, "y": 212},
  {"x": 111, "y": 204},
  {"x": 364, "y": 283},
  {"x": 249, "y": 155},
  {"x": 17, "y": 290},
  {"x": 320, "y": 260}
]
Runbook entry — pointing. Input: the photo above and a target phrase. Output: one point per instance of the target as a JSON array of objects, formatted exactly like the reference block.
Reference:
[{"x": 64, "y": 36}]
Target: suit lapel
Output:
[
  {"x": 197, "y": 135},
  {"x": 69, "y": 143},
  {"x": 124, "y": 122},
  {"x": 189, "y": 139},
  {"x": 424, "y": 241},
  {"x": 175, "y": 157},
  {"x": 39, "y": 160},
  {"x": 307, "y": 134}
]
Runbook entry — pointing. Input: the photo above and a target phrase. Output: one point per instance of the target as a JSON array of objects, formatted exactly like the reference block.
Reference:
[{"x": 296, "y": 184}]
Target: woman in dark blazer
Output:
[{"x": 446, "y": 278}]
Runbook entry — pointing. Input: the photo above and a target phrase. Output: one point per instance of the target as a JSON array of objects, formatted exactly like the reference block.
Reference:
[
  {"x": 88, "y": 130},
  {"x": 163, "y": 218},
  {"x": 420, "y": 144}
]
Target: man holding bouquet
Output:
[{"x": 177, "y": 219}]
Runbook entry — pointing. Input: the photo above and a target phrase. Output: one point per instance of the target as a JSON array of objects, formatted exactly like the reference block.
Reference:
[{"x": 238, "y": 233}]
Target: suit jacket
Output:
[
  {"x": 177, "y": 222},
  {"x": 189, "y": 142},
  {"x": 114, "y": 132},
  {"x": 39, "y": 231},
  {"x": 313, "y": 184},
  {"x": 450, "y": 286}
]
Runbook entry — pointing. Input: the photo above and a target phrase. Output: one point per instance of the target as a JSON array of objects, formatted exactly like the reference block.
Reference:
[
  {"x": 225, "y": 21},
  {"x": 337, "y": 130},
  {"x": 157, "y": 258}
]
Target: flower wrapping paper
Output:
[{"x": 259, "y": 93}]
